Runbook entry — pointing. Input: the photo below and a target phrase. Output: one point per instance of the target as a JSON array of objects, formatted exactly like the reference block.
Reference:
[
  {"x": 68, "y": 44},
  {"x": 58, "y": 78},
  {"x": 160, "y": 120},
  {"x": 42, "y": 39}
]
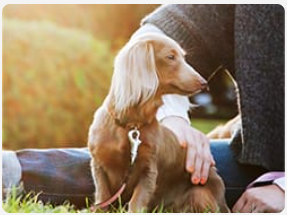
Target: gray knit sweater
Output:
[{"x": 248, "y": 40}]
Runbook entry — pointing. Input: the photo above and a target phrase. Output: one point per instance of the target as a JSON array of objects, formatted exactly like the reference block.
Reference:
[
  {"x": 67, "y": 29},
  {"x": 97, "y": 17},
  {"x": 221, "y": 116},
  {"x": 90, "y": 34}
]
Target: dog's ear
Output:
[{"x": 135, "y": 78}]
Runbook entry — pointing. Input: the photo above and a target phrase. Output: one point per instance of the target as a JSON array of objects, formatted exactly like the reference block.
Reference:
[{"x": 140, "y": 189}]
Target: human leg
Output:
[
  {"x": 236, "y": 176},
  {"x": 59, "y": 175}
]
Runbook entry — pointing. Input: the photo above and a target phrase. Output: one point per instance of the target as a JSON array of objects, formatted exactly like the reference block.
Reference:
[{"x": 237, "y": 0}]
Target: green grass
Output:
[
  {"x": 206, "y": 125},
  {"x": 30, "y": 204}
]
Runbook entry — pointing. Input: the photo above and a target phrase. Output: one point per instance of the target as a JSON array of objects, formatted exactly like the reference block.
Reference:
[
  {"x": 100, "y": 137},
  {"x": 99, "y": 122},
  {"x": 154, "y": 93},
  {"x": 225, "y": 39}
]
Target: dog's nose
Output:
[{"x": 204, "y": 84}]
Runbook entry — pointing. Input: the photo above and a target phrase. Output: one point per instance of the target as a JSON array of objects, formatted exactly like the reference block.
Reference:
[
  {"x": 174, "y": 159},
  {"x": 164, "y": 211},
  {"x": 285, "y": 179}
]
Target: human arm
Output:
[{"x": 173, "y": 115}]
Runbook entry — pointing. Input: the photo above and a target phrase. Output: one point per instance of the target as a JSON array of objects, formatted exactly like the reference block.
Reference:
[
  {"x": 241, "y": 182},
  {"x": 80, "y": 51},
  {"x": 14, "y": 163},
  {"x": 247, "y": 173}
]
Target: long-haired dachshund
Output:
[{"x": 148, "y": 67}]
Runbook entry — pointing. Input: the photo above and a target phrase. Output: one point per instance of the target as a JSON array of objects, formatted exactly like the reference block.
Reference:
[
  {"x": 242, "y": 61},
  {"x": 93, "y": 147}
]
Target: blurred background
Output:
[{"x": 57, "y": 66}]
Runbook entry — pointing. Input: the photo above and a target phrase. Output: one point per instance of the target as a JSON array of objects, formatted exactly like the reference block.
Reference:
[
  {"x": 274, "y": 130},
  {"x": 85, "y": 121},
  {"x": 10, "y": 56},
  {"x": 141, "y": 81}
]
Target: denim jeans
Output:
[{"x": 236, "y": 176}]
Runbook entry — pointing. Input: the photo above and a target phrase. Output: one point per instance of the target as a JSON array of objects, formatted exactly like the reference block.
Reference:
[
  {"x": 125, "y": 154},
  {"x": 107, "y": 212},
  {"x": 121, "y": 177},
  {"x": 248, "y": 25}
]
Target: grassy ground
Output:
[
  {"x": 29, "y": 204},
  {"x": 206, "y": 125}
]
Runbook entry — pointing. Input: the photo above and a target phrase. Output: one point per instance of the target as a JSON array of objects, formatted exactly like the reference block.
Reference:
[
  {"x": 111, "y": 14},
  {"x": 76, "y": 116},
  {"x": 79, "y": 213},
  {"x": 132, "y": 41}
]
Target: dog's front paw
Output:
[
  {"x": 139, "y": 210},
  {"x": 137, "y": 207}
]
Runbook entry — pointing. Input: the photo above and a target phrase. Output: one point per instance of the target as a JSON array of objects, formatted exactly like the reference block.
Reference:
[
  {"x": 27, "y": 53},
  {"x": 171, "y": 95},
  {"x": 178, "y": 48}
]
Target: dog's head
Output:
[{"x": 149, "y": 65}]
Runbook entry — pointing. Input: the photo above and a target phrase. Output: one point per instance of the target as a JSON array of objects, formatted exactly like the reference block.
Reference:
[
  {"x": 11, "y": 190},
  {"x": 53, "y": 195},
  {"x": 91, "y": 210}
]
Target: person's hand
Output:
[
  {"x": 199, "y": 158},
  {"x": 227, "y": 130},
  {"x": 270, "y": 199}
]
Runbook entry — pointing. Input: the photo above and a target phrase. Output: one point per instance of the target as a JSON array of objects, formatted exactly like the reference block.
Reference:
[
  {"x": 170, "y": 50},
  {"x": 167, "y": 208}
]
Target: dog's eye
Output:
[{"x": 170, "y": 57}]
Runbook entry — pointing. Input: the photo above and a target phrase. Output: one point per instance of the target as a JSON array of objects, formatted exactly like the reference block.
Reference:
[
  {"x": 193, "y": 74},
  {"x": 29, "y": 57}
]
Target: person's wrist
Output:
[{"x": 280, "y": 183}]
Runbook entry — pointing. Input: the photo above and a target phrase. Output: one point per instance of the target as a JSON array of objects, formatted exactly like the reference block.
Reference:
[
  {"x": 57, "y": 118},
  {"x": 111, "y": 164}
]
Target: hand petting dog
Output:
[{"x": 199, "y": 158}]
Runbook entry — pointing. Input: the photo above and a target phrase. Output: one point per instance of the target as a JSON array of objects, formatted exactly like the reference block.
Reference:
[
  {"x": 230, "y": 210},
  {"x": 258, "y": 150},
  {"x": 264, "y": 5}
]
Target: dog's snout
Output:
[{"x": 203, "y": 84}]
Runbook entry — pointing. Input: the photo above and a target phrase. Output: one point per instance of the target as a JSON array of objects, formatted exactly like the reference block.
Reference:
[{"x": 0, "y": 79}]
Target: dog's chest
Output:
[
  {"x": 115, "y": 157},
  {"x": 133, "y": 174}
]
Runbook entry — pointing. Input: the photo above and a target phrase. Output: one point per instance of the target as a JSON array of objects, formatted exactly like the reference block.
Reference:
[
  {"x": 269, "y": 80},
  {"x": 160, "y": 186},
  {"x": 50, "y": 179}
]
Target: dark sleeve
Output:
[
  {"x": 204, "y": 31},
  {"x": 259, "y": 51},
  {"x": 57, "y": 174}
]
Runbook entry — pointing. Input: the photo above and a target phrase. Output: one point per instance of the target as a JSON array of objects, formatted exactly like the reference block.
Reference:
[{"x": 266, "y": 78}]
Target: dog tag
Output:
[{"x": 134, "y": 138}]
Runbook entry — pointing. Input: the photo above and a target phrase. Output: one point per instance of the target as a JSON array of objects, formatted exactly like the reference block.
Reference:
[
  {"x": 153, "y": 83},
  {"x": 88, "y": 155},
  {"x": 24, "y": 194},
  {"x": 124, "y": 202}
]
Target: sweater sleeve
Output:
[
  {"x": 174, "y": 105},
  {"x": 277, "y": 178}
]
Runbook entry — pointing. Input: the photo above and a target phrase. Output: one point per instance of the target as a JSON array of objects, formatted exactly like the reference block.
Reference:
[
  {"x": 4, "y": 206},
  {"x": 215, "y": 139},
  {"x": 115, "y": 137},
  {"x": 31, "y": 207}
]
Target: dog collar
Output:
[
  {"x": 125, "y": 125},
  {"x": 134, "y": 135}
]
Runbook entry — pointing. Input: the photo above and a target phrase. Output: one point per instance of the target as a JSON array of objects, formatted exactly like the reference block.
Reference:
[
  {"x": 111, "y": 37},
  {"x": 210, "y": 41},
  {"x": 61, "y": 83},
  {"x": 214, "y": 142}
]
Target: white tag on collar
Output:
[{"x": 134, "y": 138}]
